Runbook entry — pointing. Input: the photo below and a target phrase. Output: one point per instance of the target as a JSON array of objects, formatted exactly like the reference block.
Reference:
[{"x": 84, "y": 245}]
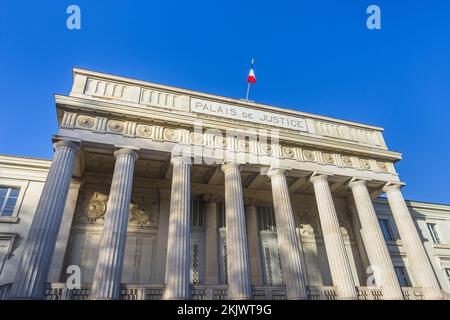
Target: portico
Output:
[{"x": 237, "y": 209}]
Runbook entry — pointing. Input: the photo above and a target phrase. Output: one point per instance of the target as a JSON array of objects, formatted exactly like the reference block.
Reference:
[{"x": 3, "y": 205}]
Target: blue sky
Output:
[{"x": 314, "y": 56}]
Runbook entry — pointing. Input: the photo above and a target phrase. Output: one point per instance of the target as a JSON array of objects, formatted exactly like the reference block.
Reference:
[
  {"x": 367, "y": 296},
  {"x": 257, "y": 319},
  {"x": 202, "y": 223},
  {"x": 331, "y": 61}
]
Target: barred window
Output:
[
  {"x": 447, "y": 273},
  {"x": 221, "y": 212},
  {"x": 271, "y": 259},
  {"x": 266, "y": 219},
  {"x": 225, "y": 263},
  {"x": 197, "y": 213},
  {"x": 8, "y": 200},
  {"x": 433, "y": 232},
  {"x": 269, "y": 274},
  {"x": 402, "y": 276},
  {"x": 386, "y": 229},
  {"x": 223, "y": 257},
  {"x": 195, "y": 264}
]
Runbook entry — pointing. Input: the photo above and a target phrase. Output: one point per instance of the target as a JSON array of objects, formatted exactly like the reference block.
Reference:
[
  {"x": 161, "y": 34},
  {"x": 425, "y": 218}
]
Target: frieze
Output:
[{"x": 216, "y": 141}]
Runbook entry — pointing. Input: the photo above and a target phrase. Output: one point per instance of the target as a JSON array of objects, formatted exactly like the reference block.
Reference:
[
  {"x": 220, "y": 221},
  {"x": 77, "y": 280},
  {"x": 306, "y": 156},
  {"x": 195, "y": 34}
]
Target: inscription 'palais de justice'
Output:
[{"x": 247, "y": 114}]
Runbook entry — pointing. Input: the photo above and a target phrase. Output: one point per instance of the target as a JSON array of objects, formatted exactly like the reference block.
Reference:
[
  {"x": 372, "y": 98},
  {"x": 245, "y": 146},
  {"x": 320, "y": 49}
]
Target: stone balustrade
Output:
[{"x": 59, "y": 291}]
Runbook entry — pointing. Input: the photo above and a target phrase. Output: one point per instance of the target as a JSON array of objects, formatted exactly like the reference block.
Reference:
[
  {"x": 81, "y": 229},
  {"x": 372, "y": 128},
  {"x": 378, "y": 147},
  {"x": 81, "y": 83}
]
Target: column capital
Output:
[
  {"x": 231, "y": 165},
  {"x": 66, "y": 144},
  {"x": 176, "y": 160},
  {"x": 318, "y": 178},
  {"x": 274, "y": 171},
  {"x": 126, "y": 152},
  {"x": 391, "y": 186},
  {"x": 357, "y": 182}
]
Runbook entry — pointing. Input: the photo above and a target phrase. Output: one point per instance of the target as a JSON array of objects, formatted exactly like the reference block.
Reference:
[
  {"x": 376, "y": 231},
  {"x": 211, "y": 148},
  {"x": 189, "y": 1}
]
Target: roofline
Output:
[
  {"x": 219, "y": 97},
  {"x": 420, "y": 204},
  {"x": 24, "y": 161}
]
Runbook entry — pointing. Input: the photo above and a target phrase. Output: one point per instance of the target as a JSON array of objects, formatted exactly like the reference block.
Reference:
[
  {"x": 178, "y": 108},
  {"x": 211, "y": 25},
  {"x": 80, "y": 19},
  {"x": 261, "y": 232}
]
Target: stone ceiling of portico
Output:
[{"x": 208, "y": 175}]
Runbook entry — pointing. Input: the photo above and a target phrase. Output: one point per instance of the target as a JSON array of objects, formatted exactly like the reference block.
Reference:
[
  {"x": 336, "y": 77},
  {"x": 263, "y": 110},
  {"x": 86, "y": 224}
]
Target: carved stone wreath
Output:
[
  {"x": 365, "y": 163},
  {"x": 85, "y": 121},
  {"x": 143, "y": 130},
  {"x": 196, "y": 138},
  {"x": 328, "y": 158},
  {"x": 288, "y": 152},
  {"x": 115, "y": 126},
  {"x": 169, "y": 134},
  {"x": 95, "y": 210},
  {"x": 347, "y": 161},
  {"x": 382, "y": 166},
  {"x": 309, "y": 155},
  {"x": 141, "y": 215}
]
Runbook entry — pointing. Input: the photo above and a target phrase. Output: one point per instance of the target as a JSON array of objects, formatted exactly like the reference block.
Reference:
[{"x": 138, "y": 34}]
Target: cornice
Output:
[
  {"x": 438, "y": 208},
  {"x": 219, "y": 98},
  {"x": 24, "y": 162}
]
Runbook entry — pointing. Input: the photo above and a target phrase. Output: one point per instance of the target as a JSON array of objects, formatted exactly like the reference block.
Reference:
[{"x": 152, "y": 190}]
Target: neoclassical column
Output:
[
  {"x": 39, "y": 246},
  {"x": 108, "y": 271},
  {"x": 251, "y": 220},
  {"x": 211, "y": 235},
  {"x": 178, "y": 243},
  {"x": 374, "y": 242},
  {"x": 334, "y": 244},
  {"x": 288, "y": 243},
  {"x": 56, "y": 269},
  {"x": 239, "y": 286},
  {"x": 415, "y": 251}
]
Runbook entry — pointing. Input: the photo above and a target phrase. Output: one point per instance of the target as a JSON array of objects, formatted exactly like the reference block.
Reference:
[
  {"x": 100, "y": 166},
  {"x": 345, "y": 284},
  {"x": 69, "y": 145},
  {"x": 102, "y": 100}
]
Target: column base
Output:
[
  {"x": 297, "y": 298},
  {"x": 177, "y": 298},
  {"x": 241, "y": 299}
]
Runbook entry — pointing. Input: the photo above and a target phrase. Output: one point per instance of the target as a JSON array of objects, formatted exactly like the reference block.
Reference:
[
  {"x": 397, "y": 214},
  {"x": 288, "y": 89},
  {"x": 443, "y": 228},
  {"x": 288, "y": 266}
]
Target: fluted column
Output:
[
  {"x": 39, "y": 245},
  {"x": 374, "y": 242},
  {"x": 211, "y": 235},
  {"x": 239, "y": 286},
  {"x": 334, "y": 244},
  {"x": 288, "y": 244},
  {"x": 108, "y": 271},
  {"x": 178, "y": 243},
  {"x": 251, "y": 221},
  {"x": 415, "y": 251}
]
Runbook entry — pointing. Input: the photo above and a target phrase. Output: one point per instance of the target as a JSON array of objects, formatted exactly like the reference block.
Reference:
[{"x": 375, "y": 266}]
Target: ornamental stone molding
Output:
[
  {"x": 309, "y": 223},
  {"x": 91, "y": 207},
  {"x": 143, "y": 214},
  {"x": 157, "y": 133}
]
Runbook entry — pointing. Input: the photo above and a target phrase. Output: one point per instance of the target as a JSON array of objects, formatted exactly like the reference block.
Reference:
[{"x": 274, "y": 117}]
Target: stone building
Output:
[{"x": 157, "y": 192}]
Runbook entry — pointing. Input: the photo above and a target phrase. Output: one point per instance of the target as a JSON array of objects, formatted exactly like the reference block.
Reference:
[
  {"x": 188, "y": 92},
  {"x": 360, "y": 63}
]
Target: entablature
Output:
[{"x": 140, "y": 99}]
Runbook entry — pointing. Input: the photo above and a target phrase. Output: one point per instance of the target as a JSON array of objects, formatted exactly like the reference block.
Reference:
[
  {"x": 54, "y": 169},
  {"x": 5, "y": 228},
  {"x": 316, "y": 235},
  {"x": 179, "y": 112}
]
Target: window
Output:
[
  {"x": 197, "y": 213},
  {"x": 271, "y": 260},
  {"x": 447, "y": 273},
  {"x": 402, "y": 277},
  {"x": 221, "y": 210},
  {"x": 266, "y": 219},
  {"x": 8, "y": 199},
  {"x": 386, "y": 229},
  {"x": 433, "y": 232}
]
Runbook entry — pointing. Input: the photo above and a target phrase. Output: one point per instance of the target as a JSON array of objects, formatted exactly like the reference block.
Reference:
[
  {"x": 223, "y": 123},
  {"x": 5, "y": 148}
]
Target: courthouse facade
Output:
[{"x": 157, "y": 192}]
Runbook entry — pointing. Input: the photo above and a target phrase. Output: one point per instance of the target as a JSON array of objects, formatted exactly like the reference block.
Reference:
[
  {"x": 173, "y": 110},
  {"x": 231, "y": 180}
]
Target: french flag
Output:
[{"x": 251, "y": 75}]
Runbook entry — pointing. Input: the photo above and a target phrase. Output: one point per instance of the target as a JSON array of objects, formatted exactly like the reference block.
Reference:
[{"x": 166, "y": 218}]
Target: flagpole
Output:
[{"x": 248, "y": 90}]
